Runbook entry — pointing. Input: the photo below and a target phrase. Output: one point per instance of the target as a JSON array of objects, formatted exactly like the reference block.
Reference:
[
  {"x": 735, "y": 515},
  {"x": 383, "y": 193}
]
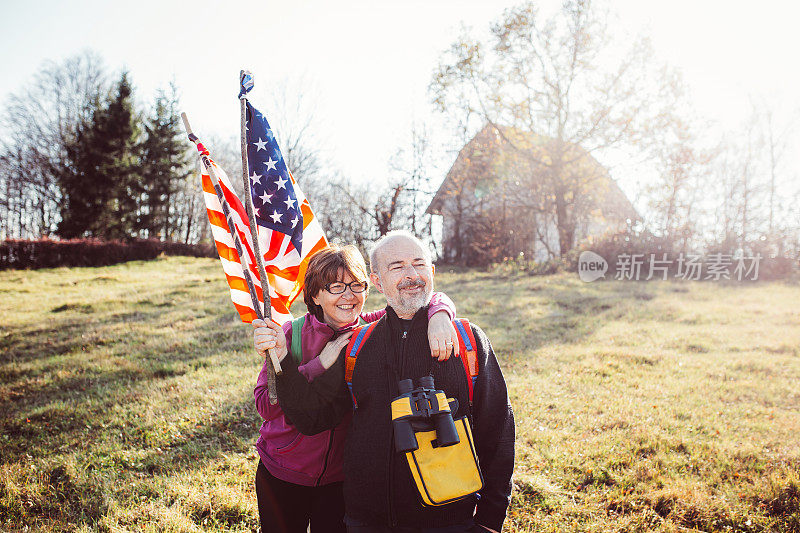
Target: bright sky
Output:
[{"x": 370, "y": 62}]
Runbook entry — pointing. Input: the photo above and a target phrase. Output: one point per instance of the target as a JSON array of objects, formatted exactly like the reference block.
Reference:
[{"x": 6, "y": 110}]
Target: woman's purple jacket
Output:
[{"x": 288, "y": 454}]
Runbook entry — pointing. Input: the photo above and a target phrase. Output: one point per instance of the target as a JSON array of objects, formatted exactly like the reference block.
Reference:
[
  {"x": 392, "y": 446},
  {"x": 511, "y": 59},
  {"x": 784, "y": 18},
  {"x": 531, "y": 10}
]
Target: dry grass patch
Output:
[{"x": 126, "y": 400}]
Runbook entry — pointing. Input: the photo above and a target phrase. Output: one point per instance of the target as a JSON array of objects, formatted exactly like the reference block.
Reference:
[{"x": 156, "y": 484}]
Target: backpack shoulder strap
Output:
[
  {"x": 467, "y": 352},
  {"x": 357, "y": 340},
  {"x": 296, "y": 349}
]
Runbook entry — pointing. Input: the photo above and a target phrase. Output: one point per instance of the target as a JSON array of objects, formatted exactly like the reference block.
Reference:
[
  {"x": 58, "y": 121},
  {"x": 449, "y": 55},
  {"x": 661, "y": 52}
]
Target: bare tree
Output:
[
  {"x": 380, "y": 207},
  {"x": 539, "y": 85},
  {"x": 39, "y": 121},
  {"x": 793, "y": 230},
  {"x": 412, "y": 167},
  {"x": 190, "y": 212},
  {"x": 342, "y": 220},
  {"x": 187, "y": 205},
  {"x": 349, "y": 212},
  {"x": 742, "y": 214},
  {"x": 726, "y": 214},
  {"x": 776, "y": 136},
  {"x": 675, "y": 196},
  {"x": 747, "y": 185},
  {"x": 291, "y": 111}
]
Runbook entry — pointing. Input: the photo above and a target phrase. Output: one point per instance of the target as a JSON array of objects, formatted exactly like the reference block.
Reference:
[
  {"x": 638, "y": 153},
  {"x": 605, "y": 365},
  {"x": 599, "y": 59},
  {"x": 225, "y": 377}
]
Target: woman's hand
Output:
[
  {"x": 268, "y": 335},
  {"x": 330, "y": 353},
  {"x": 442, "y": 336}
]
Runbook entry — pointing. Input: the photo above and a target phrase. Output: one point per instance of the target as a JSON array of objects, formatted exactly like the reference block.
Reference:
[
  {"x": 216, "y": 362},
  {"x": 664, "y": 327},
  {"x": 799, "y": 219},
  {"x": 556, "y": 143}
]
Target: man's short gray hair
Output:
[{"x": 380, "y": 243}]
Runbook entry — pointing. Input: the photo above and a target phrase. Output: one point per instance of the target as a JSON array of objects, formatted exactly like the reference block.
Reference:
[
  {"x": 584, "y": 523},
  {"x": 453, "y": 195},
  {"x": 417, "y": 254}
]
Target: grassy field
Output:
[{"x": 126, "y": 400}]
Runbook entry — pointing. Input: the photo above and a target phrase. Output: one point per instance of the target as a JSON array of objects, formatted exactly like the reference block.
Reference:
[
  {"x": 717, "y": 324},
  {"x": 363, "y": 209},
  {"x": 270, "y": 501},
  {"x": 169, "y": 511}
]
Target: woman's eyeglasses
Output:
[{"x": 338, "y": 287}]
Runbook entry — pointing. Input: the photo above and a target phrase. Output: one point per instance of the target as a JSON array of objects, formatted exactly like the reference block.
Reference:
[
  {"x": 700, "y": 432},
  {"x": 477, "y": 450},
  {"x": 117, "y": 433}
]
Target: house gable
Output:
[{"x": 500, "y": 184}]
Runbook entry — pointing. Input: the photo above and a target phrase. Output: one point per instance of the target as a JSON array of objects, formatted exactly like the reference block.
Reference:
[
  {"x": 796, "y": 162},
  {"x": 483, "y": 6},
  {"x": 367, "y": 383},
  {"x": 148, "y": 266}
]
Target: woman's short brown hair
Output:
[{"x": 324, "y": 267}]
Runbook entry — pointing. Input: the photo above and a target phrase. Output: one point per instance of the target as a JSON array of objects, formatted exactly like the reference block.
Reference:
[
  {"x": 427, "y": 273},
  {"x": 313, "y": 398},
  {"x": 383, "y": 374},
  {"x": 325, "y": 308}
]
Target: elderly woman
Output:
[{"x": 299, "y": 477}]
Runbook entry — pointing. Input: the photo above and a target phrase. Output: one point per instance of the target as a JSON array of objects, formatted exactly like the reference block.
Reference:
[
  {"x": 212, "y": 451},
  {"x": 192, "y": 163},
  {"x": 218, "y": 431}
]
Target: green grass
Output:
[{"x": 126, "y": 400}]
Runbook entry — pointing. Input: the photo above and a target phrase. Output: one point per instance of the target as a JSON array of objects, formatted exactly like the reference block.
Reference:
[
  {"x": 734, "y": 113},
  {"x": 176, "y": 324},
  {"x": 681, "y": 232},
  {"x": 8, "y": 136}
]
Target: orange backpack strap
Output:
[
  {"x": 467, "y": 352},
  {"x": 357, "y": 340}
]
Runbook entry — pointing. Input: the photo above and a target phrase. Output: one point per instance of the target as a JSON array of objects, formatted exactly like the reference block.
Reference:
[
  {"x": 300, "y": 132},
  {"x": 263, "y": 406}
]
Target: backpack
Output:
[
  {"x": 467, "y": 353},
  {"x": 296, "y": 348}
]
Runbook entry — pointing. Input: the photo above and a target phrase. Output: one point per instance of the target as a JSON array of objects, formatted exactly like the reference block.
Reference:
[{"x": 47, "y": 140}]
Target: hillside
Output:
[{"x": 126, "y": 400}]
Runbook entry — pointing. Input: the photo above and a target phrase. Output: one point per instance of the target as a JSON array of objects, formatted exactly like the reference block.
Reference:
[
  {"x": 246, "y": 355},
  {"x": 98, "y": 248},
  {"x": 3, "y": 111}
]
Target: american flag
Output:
[
  {"x": 288, "y": 234},
  {"x": 231, "y": 264}
]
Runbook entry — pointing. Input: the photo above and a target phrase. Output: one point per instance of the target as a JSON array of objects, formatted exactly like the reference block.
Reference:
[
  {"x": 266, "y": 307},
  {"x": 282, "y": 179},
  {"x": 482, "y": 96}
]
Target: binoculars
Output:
[{"x": 422, "y": 409}]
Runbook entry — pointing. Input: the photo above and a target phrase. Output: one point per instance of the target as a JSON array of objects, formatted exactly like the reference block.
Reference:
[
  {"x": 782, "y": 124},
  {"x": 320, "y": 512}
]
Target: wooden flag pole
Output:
[
  {"x": 252, "y": 219},
  {"x": 226, "y": 210}
]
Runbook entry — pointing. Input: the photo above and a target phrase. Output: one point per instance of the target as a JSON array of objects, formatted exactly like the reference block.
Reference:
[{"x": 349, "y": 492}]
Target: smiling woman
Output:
[
  {"x": 341, "y": 300},
  {"x": 336, "y": 286},
  {"x": 299, "y": 477}
]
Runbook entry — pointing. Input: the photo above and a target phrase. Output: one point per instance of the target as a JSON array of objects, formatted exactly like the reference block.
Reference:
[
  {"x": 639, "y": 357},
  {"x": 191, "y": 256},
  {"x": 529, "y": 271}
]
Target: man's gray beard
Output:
[{"x": 409, "y": 304}]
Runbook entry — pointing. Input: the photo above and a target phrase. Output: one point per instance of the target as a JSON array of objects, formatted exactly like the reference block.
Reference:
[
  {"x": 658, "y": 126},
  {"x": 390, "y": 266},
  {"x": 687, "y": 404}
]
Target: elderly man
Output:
[{"x": 380, "y": 493}]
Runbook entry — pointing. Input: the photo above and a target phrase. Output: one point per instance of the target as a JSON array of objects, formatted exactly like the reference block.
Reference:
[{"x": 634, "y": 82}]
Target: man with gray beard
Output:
[
  {"x": 380, "y": 493},
  {"x": 407, "y": 285}
]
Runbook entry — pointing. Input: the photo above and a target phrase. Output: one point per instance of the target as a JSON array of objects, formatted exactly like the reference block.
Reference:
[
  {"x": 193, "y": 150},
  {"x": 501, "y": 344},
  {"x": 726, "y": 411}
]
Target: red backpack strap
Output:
[
  {"x": 467, "y": 352},
  {"x": 357, "y": 340}
]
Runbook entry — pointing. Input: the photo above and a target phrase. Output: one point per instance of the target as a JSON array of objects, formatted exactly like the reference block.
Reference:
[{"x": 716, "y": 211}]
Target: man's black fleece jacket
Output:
[{"x": 378, "y": 487}]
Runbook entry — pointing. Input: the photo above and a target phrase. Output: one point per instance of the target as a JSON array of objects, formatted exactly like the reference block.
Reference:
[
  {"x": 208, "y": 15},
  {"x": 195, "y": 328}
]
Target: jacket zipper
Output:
[
  {"x": 391, "y": 484},
  {"x": 327, "y": 453},
  {"x": 392, "y": 520}
]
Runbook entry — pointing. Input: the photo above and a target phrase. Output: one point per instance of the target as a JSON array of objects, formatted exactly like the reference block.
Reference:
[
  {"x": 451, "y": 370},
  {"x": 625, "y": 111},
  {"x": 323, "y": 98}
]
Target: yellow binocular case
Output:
[
  {"x": 445, "y": 475},
  {"x": 440, "y": 451}
]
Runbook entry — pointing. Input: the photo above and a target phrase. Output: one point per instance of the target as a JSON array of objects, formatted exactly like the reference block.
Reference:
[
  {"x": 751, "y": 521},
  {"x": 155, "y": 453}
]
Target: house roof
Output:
[{"x": 476, "y": 156}]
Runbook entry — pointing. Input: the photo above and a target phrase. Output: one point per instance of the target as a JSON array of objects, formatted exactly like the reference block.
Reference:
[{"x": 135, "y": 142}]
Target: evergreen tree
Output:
[
  {"x": 118, "y": 136},
  {"x": 77, "y": 207},
  {"x": 164, "y": 165},
  {"x": 99, "y": 184}
]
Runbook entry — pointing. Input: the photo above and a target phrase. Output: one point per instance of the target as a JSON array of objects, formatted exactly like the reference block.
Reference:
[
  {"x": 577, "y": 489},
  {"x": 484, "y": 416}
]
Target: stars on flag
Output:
[{"x": 270, "y": 184}]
